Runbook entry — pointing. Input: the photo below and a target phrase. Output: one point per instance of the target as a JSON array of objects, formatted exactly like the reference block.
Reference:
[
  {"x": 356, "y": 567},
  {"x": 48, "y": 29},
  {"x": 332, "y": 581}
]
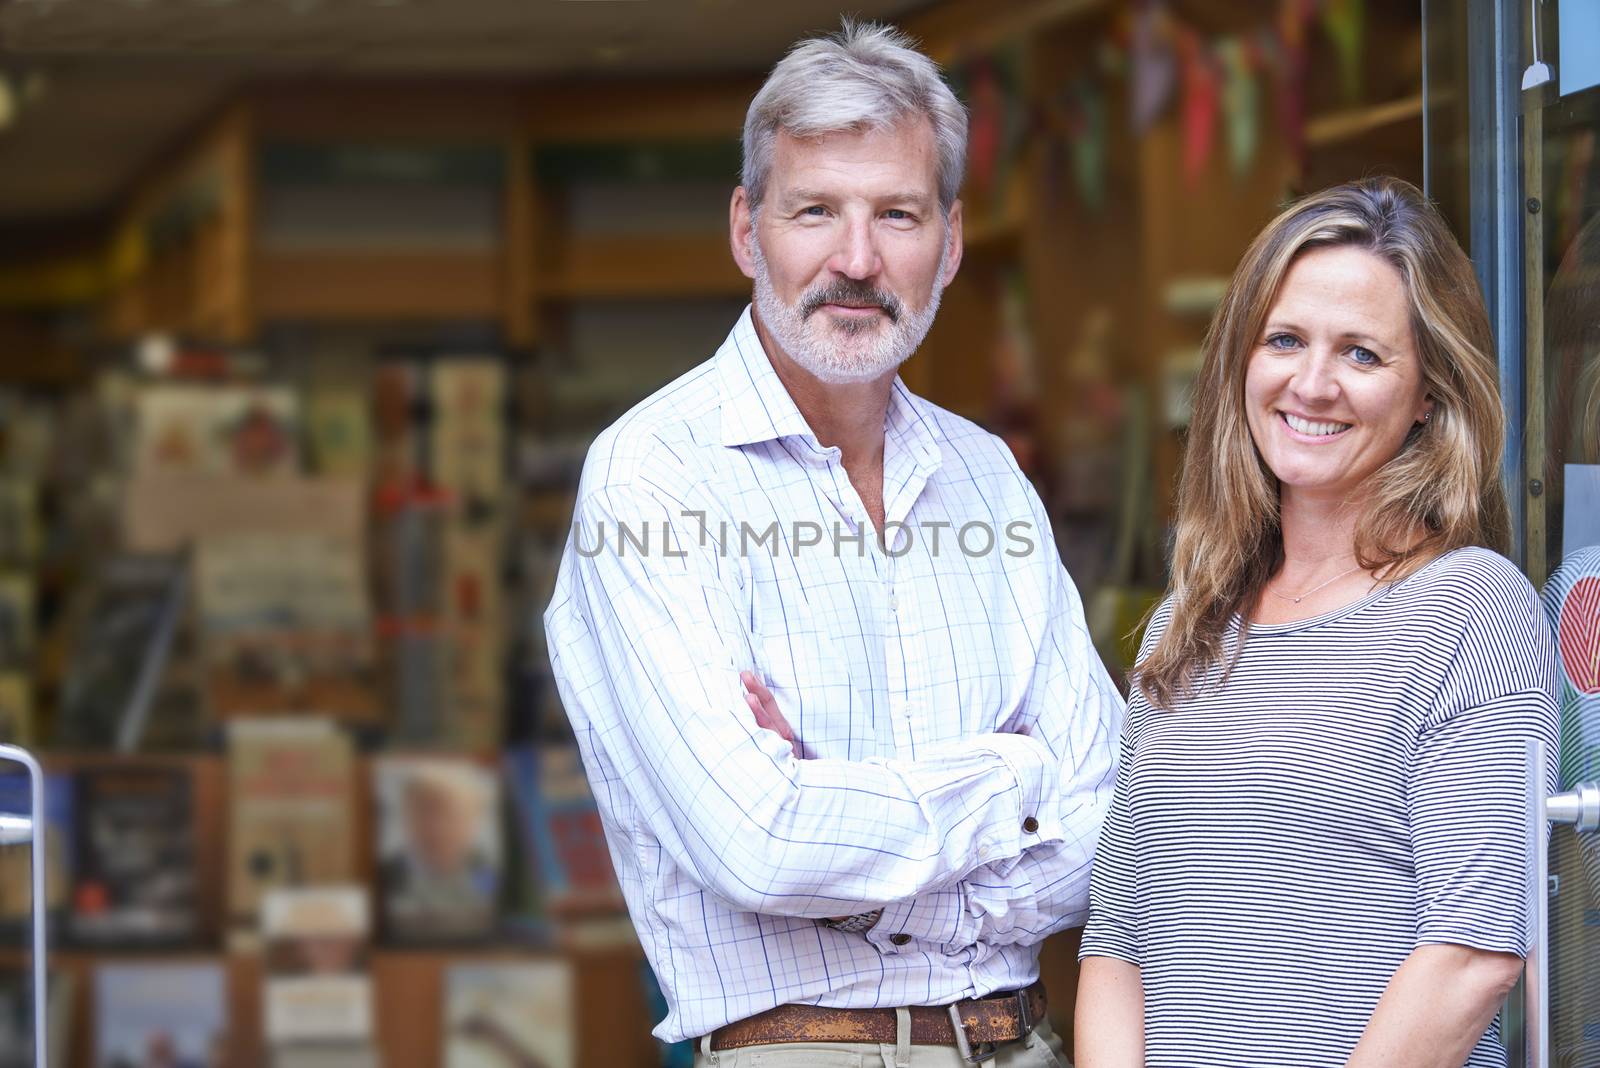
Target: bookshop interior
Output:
[{"x": 309, "y": 311}]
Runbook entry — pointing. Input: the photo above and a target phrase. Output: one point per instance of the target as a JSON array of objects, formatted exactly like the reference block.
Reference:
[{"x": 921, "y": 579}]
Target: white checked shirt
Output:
[{"x": 959, "y": 731}]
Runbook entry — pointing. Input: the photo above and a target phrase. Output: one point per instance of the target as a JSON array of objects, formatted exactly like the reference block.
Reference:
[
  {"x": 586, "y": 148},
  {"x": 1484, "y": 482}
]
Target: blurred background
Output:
[{"x": 309, "y": 310}]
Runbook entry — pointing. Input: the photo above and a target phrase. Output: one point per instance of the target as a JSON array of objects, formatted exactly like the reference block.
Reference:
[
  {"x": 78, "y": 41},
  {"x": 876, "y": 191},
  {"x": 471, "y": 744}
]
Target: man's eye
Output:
[
  {"x": 897, "y": 214},
  {"x": 815, "y": 209}
]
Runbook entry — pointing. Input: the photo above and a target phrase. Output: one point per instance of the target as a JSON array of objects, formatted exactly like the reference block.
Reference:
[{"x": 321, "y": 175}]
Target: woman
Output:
[{"x": 1315, "y": 851}]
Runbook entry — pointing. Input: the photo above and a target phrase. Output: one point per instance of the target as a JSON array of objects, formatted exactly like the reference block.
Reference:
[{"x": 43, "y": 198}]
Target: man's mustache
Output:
[{"x": 857, "y": 294}]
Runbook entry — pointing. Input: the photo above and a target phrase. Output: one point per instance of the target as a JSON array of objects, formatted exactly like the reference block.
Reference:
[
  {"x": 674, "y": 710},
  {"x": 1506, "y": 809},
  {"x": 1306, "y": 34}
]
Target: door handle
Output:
[
  {"x": 31, "y": 828},
  {"x": 1579, "y": 806}
]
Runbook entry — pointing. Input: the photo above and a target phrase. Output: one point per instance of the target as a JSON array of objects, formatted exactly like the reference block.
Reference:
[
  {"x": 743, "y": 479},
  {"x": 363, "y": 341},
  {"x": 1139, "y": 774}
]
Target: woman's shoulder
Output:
[
  {"x": 1474, "y": 580},
  {"x": 1479, "y": 604},
  {"x": 1154, "y": 625}
]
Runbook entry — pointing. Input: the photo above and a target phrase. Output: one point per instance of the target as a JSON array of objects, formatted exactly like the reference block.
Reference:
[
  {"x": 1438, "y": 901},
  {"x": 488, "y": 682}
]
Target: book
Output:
[
  {"x": 133, "y": 862},
  {"x": 16, "y": 1017},
  {"x": 475, "y": 617},
  {"x": 16, "y": 708},
  {"x": 124, "y": 679},
  {"x": 339, "y": 428},
  {"x": 467, "y": 444},
  {"x": 397, "y": 400},
  {"x": 439, "y": 847},
  {"x": 285, "y": 622},
  {"x": 16, "y": 860},
  {"x": 19, "y": 522},
  {"x": 160, "y": 1016},
  {"x": 324, "y": 1055},
  {"x": 291, "y": 789},
  {"x": 16, "y": 619},
  {"x": 413, "y": 521},
  {"x": 317, "y": 989},
  {"x": 559, "y": 833},
  {"x": 165, "y": 513},
  {"x": 510, "y": 1016},
  {"x": 232, "y": 429}
]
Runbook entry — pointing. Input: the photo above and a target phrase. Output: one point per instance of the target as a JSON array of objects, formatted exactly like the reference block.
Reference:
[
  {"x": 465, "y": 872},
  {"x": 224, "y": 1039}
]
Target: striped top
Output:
[
  {"x": 1276, "y": 848},
  {"x": 957, "y": 728}
]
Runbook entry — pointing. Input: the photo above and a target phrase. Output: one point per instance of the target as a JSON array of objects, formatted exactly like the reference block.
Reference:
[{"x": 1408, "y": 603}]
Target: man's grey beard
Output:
[{"x": 844, "y": 351}]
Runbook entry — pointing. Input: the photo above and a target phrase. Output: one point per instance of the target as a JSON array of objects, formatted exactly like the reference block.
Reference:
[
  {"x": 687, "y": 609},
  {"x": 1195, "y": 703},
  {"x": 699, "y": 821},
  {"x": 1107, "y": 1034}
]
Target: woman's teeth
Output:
[{"x": 1306, "y": 426}]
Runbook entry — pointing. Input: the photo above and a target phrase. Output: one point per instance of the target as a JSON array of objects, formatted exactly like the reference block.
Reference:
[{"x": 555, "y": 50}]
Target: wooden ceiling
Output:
[{"x": 104, "y": 86}]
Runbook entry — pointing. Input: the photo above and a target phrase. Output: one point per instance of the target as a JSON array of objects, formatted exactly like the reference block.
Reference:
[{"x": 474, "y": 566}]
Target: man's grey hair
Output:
[{"x": 864, "y": 77}]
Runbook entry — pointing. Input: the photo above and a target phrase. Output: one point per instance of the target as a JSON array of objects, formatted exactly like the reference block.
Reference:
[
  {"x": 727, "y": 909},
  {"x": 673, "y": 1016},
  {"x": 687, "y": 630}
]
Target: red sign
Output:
[{"x": 1578, "y": 632}]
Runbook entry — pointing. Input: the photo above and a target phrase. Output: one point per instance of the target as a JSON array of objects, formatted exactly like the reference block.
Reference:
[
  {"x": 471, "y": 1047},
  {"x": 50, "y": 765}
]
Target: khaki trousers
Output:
[{"x": 1042, "y": 1049}]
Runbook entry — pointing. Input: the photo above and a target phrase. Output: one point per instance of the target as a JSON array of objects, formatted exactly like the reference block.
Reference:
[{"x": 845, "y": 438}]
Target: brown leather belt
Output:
[{"x": 985, "y": 1023}]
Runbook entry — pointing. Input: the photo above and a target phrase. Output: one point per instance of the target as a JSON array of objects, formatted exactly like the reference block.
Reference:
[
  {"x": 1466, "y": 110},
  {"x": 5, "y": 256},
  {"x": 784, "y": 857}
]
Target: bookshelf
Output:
[
  {"x": 551, "y": 192},
  {"x": 408, "y": 996},
  {"x": 408, "y": 980}
]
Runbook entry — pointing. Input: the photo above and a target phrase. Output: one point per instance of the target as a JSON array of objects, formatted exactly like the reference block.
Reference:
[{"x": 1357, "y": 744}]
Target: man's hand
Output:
[{"x": 765, "y": 707}]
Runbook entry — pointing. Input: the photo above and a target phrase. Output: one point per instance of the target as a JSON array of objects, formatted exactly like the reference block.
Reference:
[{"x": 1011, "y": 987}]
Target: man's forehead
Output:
[{"x": 903, "y": 155}]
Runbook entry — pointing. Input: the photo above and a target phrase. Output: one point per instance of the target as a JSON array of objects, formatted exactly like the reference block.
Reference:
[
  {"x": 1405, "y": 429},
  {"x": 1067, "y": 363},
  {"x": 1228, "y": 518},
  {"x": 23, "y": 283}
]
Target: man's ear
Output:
[
  {"x": 741, "y": 232},
  {"x": 954, "y": 237}
]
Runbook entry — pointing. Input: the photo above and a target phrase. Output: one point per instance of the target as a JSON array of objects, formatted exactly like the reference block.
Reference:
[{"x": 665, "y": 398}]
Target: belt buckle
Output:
[{"x": 989, "y": 1049}]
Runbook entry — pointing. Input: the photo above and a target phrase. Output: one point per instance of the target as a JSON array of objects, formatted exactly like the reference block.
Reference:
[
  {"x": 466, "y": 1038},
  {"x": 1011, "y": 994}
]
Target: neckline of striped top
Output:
[{"x": 1346, "y": 609}]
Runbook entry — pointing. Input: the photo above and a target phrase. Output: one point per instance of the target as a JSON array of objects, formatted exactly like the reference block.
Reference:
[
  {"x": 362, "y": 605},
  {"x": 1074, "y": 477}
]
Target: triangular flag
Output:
[
  {"x": 1241, "y": 100},
  {"x": 1088, "y": 138},
  {"x": 1344, "y": 21},
  {"x": 1154, "y": 69},
  {"x": 1201, "y": 97}
]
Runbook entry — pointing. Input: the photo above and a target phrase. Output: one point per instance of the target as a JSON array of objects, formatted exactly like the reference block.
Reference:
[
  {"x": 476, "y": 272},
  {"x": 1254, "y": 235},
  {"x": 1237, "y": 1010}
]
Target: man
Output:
[{"x": 885, "y": 859}]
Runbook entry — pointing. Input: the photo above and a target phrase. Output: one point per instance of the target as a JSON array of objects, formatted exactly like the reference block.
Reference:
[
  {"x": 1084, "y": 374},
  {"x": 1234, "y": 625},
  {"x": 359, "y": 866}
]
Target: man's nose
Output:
[{"x": 857, "y": 255}]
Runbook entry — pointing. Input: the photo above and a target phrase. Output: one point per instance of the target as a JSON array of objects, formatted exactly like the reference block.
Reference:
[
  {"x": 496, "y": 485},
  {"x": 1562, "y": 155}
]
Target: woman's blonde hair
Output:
[{"x": 1441, "y": 491}]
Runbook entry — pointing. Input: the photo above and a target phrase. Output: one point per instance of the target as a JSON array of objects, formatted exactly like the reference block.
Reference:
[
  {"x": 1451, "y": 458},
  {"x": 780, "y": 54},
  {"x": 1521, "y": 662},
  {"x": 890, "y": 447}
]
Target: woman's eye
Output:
[
  {"x": 1365, "y": 357},
  {"x": 1282, "y": 342}
]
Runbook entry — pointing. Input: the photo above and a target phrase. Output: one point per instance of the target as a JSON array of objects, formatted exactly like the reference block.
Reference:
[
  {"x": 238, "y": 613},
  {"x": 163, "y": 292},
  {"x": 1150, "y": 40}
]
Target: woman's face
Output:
[{"x": 1334, "y": 383}]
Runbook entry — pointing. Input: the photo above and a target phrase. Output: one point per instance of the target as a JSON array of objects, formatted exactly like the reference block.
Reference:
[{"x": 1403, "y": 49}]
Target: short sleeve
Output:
[
  {"x": 1467, "y": 792},
  {"x": 1113, "y": 929}
]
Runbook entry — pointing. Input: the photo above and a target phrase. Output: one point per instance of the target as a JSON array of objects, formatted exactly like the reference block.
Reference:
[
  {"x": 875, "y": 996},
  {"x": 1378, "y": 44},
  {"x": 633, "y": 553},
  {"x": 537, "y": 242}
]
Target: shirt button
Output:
[
  {"x": 1030, "y": 825},
  {"x": 900, "y": 939},
  {"x": 894, "y": 602}
]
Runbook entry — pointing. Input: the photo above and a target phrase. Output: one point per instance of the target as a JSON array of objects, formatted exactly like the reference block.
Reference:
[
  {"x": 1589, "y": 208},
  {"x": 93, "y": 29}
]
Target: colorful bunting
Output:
[
  {"x": 1162, "y": 59},
  {"x": 1344, "y": 21},
  {"x": 1201, "y": 98},
  {"x": 1154, "y": 68},
  {"x": 1087, "y": 133}
]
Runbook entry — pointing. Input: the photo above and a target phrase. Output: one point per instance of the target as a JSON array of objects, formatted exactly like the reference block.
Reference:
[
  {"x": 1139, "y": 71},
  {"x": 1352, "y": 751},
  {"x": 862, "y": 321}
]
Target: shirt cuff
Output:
[
  {"x": 1037, "y": 773},
  {"x": 938, "y": 919}
]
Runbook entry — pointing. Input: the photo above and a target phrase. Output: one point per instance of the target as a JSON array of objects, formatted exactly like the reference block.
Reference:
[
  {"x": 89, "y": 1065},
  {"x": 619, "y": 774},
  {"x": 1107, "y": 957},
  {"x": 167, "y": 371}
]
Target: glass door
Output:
[
  {"x": 1511, "y": 124},
  {"x": 1560, "y": 113}
]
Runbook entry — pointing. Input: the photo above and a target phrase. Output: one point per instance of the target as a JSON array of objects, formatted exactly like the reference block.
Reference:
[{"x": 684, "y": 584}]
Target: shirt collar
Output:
[{"x": 756, "y": 405}]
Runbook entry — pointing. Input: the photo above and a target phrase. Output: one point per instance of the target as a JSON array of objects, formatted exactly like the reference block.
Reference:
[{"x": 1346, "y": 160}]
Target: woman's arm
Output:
[
  {"x": 1108, "y": 1028},
  {"x": 1435, "y": 1008}
]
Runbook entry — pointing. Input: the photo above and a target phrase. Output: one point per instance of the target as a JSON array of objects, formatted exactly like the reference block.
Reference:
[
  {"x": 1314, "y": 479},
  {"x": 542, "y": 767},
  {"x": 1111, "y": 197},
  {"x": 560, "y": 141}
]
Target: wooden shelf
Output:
[
  {"x": 665, "y": 265},
  {"x": 341, "y": 285}
]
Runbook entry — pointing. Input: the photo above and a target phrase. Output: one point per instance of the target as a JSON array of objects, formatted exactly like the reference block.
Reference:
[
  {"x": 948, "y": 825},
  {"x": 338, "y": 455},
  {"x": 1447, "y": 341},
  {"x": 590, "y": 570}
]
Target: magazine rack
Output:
[{"x": 13, "y": 831}]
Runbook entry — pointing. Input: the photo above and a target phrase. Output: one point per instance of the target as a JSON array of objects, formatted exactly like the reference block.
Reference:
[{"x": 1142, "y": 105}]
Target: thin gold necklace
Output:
[{"x": 1314, "y": 589}]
